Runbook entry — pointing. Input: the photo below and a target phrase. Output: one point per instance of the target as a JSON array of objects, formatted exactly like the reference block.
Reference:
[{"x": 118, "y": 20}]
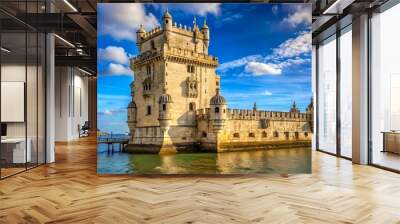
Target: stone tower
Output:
[{"x": 173, "y": 65}]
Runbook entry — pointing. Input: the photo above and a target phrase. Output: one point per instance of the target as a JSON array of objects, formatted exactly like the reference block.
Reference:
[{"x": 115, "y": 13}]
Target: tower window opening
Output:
[
  {"x": 148, "y": 69},
  {"x": 276, "y": 134},
  {"x": 252, "y": 135},
  {"x": 264, "y": 134},
  {"x": 216, "y": 110},
  {"x": 204, "y": 134},
  {"x": 287, "y": 135},
  {"x": 306, "y": 134},
  {"x": 164, "y": 107},
  {"x": 191, "y": 106},
  {"x": 153, "y": 46},
  {"x": 296, "y": 135},
  {"x": 190, "y": 68},
  {"x": 148, "y": 110},
  {"x": 236, "y": 135}
]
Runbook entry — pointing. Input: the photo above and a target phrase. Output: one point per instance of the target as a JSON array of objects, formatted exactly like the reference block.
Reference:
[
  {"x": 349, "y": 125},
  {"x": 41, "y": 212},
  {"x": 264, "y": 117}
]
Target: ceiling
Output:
[{"x": 75, "y": 23}]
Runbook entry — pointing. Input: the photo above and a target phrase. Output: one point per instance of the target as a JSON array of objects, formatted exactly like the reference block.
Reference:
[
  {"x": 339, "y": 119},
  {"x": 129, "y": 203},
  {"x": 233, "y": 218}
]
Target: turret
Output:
[
  {"x": 140, "y": 33},
  {"x": 164, "y": 115},
  {"x": 132, "y": 112},
  {"x": 294, "y": 108},
  {"x": 167, "y": 21},
  {"x": 218, "y": 111},
  {"x": 310, "y": 114},
  {"x": 206, "y": 33}
]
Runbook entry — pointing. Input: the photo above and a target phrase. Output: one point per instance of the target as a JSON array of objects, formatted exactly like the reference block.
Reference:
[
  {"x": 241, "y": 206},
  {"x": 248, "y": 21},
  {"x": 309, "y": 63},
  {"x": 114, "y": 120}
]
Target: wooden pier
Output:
[{"x": 111, "y": 142}]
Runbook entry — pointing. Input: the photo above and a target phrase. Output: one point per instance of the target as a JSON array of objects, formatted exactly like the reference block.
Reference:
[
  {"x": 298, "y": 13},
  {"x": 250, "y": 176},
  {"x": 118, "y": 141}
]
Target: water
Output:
[{"x": 278, "y": 161}]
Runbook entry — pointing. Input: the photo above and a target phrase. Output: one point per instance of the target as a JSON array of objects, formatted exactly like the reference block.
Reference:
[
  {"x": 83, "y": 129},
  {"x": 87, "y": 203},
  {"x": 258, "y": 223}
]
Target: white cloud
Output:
[
  {"x": 238, "y": 62},
  {"x": 232, "y": 18},
  {"x": 115, "y": 54},
  {"x": 117, "y": 70},
  {"x": 289, "y": 53},
  {"x": 259, "y": 68},
  {"x": 201, "y": 9},
  {"x": 302, "y": 15},
  {"x": 294, "y": 61},
  {"x": 108, "y": 112},
  {"x": 115, "y": 111},
  {"x": 294, "y": 46},
  {"x": 266, "y": 93},
  {"x": 121, "y": 20}
]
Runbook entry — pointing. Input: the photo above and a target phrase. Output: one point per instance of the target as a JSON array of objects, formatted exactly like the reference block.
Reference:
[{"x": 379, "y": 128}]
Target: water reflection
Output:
[{"x": 259, "y": 161}]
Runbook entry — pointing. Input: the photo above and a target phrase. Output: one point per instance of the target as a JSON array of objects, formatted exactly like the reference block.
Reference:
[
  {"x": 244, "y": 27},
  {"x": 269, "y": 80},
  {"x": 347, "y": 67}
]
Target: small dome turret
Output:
[
  {"x": 205, "y": 25},
  {"x": 132, "y": 105},
  {"x": 141, "y": 29},
  {"x": 167, "y": 21},
  {"x": 167, "y": 15},
  {"x": 165, "y": 98},
  {"x": 217, "y": 99}
]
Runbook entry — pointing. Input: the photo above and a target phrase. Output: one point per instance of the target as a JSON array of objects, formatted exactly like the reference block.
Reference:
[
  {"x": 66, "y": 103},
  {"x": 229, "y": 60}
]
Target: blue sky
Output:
[{"x": 264, "y": 51}]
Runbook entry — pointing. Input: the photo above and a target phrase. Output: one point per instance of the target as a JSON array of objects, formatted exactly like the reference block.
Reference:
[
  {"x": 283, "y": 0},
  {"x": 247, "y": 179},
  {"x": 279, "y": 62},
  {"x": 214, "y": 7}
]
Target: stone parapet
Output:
[
  {"x": 175, "y": 54},
  {"x": 243, "y": 114}
]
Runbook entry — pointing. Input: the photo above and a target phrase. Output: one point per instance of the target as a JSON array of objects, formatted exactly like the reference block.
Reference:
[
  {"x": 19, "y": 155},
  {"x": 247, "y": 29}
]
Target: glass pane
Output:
[
  {"x": 31, "y": 98},
  {"x": 41, "y": 98},
  {"x": 346, "y": 94},
  {"x": 13, "y": 87},
  {"x": 327, "y": 96},
  {"x": 385, "y": 84}
]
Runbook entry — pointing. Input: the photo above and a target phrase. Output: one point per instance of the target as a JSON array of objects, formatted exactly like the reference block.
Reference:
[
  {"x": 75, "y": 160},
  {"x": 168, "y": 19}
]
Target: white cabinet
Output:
[{"x": 19, "y": 155}]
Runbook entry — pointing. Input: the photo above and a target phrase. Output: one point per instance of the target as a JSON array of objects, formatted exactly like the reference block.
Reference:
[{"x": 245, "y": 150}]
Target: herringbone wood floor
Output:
[{"x": 70, "y": 191}]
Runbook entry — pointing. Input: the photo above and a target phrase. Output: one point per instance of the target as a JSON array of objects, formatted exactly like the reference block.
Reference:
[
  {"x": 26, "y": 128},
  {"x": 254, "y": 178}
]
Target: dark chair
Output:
[{"x": 84, "y": 130}]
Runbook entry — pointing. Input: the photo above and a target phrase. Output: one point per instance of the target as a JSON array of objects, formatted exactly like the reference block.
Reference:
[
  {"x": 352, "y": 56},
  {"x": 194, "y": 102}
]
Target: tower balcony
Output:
[{"x": 147, "y": 92}]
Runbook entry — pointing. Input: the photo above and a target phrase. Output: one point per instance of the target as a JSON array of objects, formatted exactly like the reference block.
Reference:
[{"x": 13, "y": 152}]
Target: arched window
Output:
[
  {"x": 236, "y": 135},
  {"x": 148, "y": 110},
  {"x": 153, "y": 46},
  {"x": 204, "y": 134},
  {"x": 276, "y": 134},
  {"x": 264, "y": 134},
  {"x": 192, "y": 106},
  {"x": 148, "y": 69},
  {"x": 190, "y": 68},
  {"x": 216, "y": 110},
  {"x": 252, "y": 135},
  {"x": 296, "y": 135},
  {"x": 164, "y": 107},
  {"x": 305, "y": 134},
  {"x": 286, "y": 135}
]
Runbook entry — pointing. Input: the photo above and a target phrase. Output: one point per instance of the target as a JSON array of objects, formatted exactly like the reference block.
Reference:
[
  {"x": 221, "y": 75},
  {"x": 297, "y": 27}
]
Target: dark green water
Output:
[{"x": 296, "y": 160}]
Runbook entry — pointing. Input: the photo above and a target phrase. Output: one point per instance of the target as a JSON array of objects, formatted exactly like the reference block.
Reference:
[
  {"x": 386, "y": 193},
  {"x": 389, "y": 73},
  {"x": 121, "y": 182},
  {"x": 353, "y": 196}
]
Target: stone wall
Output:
[{"x": 245, "y": 129}]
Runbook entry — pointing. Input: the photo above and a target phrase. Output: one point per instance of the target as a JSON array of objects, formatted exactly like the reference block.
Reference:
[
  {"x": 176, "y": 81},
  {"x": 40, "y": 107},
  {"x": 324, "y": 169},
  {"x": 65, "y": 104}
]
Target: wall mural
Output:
[{"x": 204, "y": 88}]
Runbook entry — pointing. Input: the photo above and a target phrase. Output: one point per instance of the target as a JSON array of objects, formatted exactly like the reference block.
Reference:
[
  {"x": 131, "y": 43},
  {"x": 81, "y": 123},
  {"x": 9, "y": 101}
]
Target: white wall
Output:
[{"x": 71, "y": 103}]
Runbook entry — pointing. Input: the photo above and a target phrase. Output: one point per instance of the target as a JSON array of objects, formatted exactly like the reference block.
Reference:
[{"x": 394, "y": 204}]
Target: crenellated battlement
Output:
[
  {"x": 176, "y": 54},
  {"x": 180, "y": 29},
  {"x": 152, "y": 33},
  {"x": 185, "y": 53},
  {"x": 245, "y": 114}
]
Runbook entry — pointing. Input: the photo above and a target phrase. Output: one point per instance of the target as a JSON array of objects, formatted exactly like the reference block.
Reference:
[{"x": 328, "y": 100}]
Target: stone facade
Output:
[{"x": 176, "y": 104}]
